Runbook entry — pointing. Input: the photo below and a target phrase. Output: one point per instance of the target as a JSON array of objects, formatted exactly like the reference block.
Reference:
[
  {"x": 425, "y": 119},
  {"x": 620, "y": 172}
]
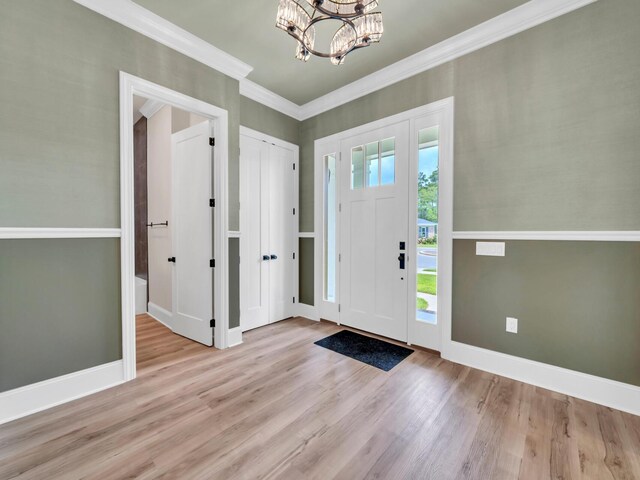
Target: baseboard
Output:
[
  {"x": 307, "y": 311},
  {"x": 165, "y": 317},
  {"x": 40, "y": 396},
  {"x": 235, "y": 336},
  {"x": 610, "y": 393}
]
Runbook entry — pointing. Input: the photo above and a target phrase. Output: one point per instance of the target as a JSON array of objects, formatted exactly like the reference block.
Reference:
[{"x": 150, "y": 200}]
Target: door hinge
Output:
[
  {"x": 294, "y": 166},
  {"x": 339, "y": 257},
  {"x": 212, "y": 263},
  {"x": 212, "y": 323},
  {"x": 339, "y": 306},
  {"x": 340, "y": 207},
  {"x": 294, "y": 299},
  {"x": 294, "y": 255},
  {"x": 294, "y": 211},
  {"x": 212, "y": 141},
  {"x": 212, "y": 202}
]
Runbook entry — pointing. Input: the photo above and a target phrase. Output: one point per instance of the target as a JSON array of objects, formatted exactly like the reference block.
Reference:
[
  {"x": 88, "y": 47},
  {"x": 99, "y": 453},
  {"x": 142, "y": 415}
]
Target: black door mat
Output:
[{"x": 374, "y": 352}]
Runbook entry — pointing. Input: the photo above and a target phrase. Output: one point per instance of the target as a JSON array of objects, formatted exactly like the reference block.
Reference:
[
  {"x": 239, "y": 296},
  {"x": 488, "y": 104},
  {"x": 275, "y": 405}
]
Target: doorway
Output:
[
  {"x": 380, "y": 266},
  {"x": 193, "y": 221}
]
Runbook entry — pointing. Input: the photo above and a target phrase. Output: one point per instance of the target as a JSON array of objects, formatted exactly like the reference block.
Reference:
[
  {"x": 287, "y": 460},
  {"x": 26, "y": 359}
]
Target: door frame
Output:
[
  {"x": 331, "y": 144},
  {"x": 131, "y": 85},
  {"x": 263, "y": 137}
]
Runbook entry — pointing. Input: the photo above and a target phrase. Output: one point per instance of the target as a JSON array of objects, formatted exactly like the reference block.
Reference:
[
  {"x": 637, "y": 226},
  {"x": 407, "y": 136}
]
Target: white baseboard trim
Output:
[
  {"x": 40, "y": 396},
  {"x": 307, "y": 311},
  {"x": 235, "y": 337},
  {"x": 165, "y": 317},
  {"x": 610, "y": 393}
]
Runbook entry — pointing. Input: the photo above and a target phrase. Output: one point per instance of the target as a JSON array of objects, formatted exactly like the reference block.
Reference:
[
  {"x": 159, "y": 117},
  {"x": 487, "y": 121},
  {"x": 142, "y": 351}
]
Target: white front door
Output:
[
  {"x": 267, "y": 223},
  {"x": 374, "y": 231},
  {"x": 192, "y": 233}
]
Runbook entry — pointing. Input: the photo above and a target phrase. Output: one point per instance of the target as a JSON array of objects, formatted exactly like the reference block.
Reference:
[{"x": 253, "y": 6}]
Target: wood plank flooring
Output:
[{"x": 279, "y": 407}]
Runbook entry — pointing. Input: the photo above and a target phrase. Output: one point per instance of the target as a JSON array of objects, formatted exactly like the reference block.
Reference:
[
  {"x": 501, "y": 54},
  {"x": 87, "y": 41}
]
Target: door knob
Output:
[
  {"x": 274, "y": 257},
  {"x": 266, "y": 257},
  {"x": 171, "y": 259},
  {"x": 401, "y": 260}
]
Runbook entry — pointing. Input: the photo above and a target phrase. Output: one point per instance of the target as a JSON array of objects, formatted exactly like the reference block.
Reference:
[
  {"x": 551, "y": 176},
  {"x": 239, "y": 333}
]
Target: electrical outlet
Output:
[{"x": 512, "y": 325}]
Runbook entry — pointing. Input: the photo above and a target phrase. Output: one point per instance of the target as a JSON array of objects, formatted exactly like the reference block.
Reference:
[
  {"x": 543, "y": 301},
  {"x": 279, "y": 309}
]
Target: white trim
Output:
[
  {"x": 235, "y": 337},
  {"x": 595, "y": 236},
  {"x": 19, "y": 232},
  {"x": 610, "y": 393},
  {"x": 263, "y": 137},
  {"x": 36, "y": 397},
  {"x": 270, "y": 99},
  {"x": 307, "y": 311},
  {"x": 165, "y": 317},
  {"x": 233, "y": 234},
  {"x": 524, "y": 17},
  {"x": 130, "y": 86},
  {"x": 306, "y": 235},
  {"x": 150, "y": 108},
  {"x": 143, "y": 21},
  {"x": 519, "y": 19}
]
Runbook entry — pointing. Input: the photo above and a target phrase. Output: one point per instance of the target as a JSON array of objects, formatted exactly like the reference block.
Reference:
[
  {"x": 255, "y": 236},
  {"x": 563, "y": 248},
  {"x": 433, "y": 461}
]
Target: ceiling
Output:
[{"x": 246, "y": 29}]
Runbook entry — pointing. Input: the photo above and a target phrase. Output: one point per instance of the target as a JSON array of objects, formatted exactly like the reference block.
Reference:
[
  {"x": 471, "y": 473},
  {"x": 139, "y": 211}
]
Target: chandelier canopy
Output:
[{"x": 359, "y": 26}]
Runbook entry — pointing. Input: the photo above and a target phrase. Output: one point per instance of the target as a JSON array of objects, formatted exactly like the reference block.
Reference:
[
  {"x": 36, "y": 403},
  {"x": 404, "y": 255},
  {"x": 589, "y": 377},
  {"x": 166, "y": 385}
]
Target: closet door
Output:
[
  {"x": 254, "y": 226},
  {"x": 281, "y": 228}
]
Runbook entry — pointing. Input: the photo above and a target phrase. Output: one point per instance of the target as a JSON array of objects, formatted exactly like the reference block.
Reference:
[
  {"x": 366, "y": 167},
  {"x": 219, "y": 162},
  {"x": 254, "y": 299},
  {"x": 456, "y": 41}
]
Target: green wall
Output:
[
  {"x": 59, "y": 158},
  {"x": 59, "y": 308},
  {"x": 576, "y": 303},
  {"x": 546, "y": 138},
  {"x": 263, "y": 119}
]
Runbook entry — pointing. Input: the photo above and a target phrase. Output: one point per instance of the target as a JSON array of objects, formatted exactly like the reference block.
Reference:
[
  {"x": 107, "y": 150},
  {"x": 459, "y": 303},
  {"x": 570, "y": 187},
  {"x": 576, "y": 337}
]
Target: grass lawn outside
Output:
[
  {"x": 427, "y": 283},
  {"x": 422, "y": 304}
]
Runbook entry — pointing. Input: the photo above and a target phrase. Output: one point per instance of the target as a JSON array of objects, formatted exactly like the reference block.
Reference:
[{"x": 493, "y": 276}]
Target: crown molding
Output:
[
  {"x": 143, "y": 21},
  {"x": 266, "y": 97},
  {"x": 524, "y": 17}
]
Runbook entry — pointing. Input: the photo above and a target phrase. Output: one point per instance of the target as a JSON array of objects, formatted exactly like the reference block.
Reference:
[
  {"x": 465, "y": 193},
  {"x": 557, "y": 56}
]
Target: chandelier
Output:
[{"x": 360, "y": 27}]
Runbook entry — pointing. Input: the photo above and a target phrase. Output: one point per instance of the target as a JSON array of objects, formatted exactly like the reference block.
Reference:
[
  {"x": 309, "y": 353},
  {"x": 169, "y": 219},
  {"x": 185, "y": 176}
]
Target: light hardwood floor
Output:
[{"x": 280, "y": 407}]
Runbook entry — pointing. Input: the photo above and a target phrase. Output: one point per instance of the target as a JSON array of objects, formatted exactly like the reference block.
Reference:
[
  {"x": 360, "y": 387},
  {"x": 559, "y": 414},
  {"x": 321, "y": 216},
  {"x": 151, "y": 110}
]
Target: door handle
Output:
[
  {"x": 274, "y": 257},
  {"x": 171, "y": 259},
  {"x": 266, "y": 257},
  {"x": 401, "y": 258}
]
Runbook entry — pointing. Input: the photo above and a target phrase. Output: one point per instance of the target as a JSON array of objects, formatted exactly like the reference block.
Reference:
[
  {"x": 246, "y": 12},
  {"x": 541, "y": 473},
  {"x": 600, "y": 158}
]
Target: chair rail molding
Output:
[
  {"x": 587, "y": 236},
  {"x": 7, "y": 233}
]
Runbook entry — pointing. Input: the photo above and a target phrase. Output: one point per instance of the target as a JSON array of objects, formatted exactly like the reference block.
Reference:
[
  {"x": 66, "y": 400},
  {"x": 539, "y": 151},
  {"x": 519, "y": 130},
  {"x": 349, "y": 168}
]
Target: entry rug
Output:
[{"x": 371, "y": 351}]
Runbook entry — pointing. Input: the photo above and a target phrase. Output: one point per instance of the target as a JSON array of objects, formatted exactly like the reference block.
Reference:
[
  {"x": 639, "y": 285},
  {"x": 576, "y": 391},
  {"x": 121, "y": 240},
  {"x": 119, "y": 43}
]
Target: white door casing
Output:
[
  {"x": 374, "y": 220},
  {"x": 192, "y": 233}
]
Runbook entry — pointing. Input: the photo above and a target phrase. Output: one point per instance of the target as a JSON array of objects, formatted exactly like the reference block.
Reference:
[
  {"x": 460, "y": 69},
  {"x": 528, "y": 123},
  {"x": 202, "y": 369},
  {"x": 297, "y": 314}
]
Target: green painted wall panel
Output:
[
  {"x": 59, "y": 307},
  {"x": 577, "y": 304},
  {"x": 234, "y": 280},
  {"x": 263, "y": 119},
  {"x": 305, "y": 270}
]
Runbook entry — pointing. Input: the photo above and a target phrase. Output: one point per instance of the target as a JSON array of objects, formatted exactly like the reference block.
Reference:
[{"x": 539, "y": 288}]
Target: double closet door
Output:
[{"x": 267, "y": 232}]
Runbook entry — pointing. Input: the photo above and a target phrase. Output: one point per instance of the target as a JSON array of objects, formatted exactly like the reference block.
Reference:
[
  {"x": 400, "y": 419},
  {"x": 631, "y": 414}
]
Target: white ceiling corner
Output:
[{"x": 519, "y": 19}]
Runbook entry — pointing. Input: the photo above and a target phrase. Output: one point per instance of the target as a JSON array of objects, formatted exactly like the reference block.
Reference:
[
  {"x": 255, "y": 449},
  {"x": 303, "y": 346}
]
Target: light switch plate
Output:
[
  {"x": 512, "y": 325},
  {"x": 490, "y": 249}
]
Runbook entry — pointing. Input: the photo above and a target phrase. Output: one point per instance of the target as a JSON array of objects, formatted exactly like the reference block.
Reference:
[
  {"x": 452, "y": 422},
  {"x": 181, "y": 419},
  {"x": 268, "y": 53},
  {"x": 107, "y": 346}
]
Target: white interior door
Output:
[
  {"x": 374, "y": 228},
  {"x": 254, "y": 225},
  {"x": 281, "y": 224},
  {"x": 192, "y": 233},
  {"x": 267, "y": 267}
]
